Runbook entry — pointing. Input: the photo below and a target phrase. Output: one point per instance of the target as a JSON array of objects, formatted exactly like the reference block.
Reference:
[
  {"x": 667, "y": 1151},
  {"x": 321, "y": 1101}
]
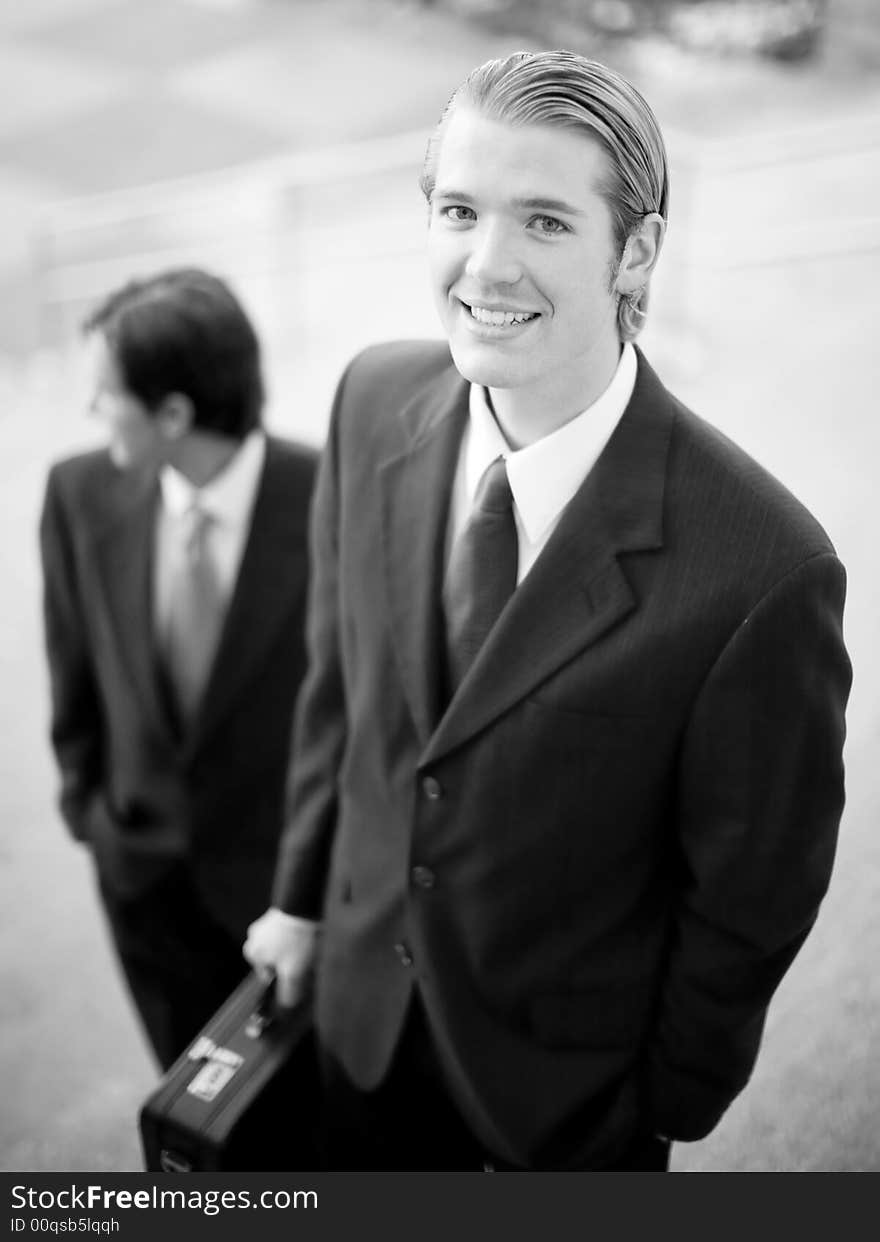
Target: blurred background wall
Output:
[{"x": 278, "y": 142}]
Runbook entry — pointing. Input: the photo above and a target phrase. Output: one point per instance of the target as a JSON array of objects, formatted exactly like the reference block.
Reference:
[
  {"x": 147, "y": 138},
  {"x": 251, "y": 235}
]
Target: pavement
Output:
[{"x": 280, "y": 141}]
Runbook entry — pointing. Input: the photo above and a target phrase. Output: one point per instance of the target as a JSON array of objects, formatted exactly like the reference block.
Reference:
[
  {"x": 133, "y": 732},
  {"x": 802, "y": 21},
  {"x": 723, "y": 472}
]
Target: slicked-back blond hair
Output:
[{"x": 568, "y": 91}]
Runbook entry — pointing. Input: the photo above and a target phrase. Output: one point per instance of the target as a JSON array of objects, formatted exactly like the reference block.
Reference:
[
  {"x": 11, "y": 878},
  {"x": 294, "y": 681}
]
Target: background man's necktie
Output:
[
  {"x": 482, "y": 571},
  {"x": 195, "y": 615}
]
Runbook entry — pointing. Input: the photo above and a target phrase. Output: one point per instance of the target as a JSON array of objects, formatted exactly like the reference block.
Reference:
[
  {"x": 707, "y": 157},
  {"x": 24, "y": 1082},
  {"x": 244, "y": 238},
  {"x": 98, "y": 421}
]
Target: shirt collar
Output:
[
  {"x": 228, "y": 497},
  {"x": 545, "y": 475}
]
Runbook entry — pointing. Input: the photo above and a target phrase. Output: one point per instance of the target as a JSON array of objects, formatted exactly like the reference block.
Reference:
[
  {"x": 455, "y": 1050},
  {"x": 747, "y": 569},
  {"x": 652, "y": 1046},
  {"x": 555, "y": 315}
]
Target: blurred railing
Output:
[{"x": 319, "y": 245}]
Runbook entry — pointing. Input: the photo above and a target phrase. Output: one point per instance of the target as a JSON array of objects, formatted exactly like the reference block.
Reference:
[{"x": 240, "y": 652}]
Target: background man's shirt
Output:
[{"x": 229, "y": 499}]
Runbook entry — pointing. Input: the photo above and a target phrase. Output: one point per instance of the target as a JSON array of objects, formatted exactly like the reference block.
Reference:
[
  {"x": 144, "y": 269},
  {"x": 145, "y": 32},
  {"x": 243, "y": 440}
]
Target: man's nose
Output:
[{"x": 493, "y": 258}]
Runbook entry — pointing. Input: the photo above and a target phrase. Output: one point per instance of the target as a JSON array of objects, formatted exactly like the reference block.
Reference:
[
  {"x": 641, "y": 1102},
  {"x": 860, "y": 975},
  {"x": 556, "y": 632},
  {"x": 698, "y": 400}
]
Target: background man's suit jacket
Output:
[
  {"x": 598, "y": 860},
  {"x": 141, "y": 794}
]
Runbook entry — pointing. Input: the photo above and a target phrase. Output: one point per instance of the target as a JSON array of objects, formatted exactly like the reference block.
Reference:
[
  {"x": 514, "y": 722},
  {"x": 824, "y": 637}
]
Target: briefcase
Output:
[{"x": 245, "y": 1095}]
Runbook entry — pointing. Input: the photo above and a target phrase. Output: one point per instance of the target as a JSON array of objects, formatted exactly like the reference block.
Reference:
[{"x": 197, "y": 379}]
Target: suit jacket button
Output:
[
  {"x": 423, "y": 877},
  {"x": 432, "y": 789},
  {"x": 403, "y": 954}
]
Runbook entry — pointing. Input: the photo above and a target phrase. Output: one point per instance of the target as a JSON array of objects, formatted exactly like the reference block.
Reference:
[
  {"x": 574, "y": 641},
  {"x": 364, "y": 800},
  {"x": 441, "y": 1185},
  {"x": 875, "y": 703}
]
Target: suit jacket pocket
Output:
[
  {"x": 608, "y": 1018},
  {"x": 578, "y": 710}
]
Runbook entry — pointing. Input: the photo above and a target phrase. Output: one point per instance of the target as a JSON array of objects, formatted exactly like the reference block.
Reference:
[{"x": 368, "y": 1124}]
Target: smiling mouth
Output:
[{"x": 499, "y": 318}]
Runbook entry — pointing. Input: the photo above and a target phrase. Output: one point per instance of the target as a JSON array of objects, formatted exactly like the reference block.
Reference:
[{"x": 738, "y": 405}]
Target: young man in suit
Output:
[
  {"x": 175, "y": 571},
  {"x": 568, "y": 772}
]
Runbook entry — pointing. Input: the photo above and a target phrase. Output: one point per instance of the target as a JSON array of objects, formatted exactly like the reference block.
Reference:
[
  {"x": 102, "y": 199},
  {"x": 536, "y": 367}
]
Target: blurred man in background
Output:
[
  {"x": 568, "y": 774},
  {"x": 175, "y": 570}
]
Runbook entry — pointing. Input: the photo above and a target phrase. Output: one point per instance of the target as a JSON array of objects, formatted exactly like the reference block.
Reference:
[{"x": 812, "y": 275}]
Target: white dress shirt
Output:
[
  {"x": 229, "y": 499},
  {"x": 545, "y": 475}
]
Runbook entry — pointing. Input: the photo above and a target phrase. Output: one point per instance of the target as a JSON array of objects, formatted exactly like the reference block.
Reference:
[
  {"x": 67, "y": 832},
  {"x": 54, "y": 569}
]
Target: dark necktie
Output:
[
  {"x": 195, "y": 615},
  {"x": 482, "y": 571}
]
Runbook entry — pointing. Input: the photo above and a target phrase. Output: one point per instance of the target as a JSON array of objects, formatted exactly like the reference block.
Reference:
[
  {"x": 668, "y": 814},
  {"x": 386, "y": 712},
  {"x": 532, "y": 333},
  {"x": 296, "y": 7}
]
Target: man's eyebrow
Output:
[
  {"x": 555, "y": 205},
  {"x": 459, "y": 195}
]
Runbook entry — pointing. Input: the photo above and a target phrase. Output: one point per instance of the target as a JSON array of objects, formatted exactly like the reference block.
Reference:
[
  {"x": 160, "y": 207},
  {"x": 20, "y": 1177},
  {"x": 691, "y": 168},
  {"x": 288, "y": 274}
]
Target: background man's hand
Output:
[{"x": 282, "y": 945}]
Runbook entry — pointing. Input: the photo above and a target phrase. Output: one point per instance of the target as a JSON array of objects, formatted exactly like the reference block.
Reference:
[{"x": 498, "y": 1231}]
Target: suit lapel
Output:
[
  {"x": 124, "y": 556},
  {"x": 264, "y": 592},
  {"x": 577, "y": 589},
  {"x": 416, "y": 488}
]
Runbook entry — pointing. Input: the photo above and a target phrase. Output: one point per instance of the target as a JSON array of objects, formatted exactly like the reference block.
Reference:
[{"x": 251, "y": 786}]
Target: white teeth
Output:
[{"x": 500, "y": 319}]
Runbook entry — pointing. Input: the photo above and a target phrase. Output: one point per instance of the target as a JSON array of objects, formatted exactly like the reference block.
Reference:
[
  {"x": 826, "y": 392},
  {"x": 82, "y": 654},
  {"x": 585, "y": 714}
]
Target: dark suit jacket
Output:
[
  {"x": 598, "y": 861},
  {"x": 141, "y": 794}
]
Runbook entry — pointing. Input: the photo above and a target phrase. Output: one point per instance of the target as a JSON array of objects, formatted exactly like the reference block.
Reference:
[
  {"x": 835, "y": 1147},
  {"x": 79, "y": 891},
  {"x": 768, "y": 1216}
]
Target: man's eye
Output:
[
  {"x": 458, "y": 214},
  {"x": 548, "y": 225}
]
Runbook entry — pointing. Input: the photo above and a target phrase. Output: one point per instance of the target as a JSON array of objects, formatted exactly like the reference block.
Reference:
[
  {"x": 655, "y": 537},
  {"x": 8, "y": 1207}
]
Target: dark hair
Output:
[
  {"x": 184, "y": 331},
  {"x": 566, "y": 90}
]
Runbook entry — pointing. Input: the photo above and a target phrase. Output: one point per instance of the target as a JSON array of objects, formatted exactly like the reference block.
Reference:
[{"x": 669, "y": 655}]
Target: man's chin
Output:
[{"x": 482, "y": 364}]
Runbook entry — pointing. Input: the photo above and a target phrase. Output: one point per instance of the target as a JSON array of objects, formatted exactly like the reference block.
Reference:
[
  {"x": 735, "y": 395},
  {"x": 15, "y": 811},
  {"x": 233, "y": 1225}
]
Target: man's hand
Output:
[{"x": 282, "y": 945}]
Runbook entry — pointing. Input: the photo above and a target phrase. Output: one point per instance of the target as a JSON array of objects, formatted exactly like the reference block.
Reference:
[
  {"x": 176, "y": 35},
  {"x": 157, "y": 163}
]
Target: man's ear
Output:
[
  {"x": 640, "y": 254},
  {"x": 175, "y": 416}
]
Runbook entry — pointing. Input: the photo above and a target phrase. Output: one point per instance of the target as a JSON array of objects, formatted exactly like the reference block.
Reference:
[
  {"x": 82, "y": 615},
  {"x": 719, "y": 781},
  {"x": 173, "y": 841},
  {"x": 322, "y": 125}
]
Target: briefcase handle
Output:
[{"x": 264, "y": 1014}]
